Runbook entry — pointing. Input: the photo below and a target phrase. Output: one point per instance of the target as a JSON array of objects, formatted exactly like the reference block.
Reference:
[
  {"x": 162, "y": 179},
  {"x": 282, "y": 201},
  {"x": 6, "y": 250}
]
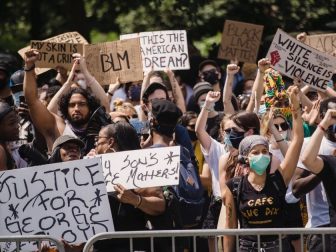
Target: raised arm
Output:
[
  {"x": 42, "y": 119},
  {"x": 258, "y": 85},
  {"x": 288, "y": 165},
  {"x": 177, "y": 92},
  {"x": 53, "y": 104},
  {"x": 303, "y": 182},
  {"x": 310, "y": 156},
  {"x": 201, "y": 133},
  {"x": 96, "y": 88},
  {"x": 231, "y": 70}
]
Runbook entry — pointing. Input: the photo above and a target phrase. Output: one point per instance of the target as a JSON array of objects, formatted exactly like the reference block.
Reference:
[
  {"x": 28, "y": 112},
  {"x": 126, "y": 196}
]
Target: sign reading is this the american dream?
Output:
[
  {"x": 68, "y": 37},
  {"x": 240, "y": 41},
  {"x": 52, "y": 54},
  {"x": 298, "y": 60},
  {"x": 65, "y": 200},
  {"x": 107, "y": 61},
  {"x": 142, "y": 168},
  {"x": 163, "y": 49},
  {"x": 322, "y": 42}
]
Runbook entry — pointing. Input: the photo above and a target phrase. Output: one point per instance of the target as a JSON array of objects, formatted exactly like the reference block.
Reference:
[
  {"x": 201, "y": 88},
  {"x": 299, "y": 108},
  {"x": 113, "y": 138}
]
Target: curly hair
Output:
[{"x": 63, "y": 104}]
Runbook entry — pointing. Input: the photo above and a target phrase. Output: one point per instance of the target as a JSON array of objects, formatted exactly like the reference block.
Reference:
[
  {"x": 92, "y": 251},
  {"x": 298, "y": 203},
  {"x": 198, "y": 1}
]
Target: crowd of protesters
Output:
[{"x": 264, "y": 145}]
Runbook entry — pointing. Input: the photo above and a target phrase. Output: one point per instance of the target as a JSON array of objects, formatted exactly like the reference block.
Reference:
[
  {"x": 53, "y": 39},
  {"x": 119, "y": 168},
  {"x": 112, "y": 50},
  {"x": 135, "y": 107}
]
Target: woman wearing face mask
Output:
[
  {"x": 261, "y": 194},
  {"x": 236, "y": 128}
]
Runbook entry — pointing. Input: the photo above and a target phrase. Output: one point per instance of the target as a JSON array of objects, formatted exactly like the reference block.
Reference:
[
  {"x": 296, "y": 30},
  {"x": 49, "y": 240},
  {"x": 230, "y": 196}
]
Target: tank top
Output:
[{"x": 262, "y": 209}]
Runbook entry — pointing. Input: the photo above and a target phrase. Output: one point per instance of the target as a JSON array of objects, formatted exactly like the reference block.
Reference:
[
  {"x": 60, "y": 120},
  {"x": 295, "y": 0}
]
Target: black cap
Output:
[
  {"x": 201, "y": 88},
  {"x": 16, "y": 81},
  {"x": 65, "y": 139},
  {"x": 207, "y": 62},
  {"x": 166, "y": 112},
  {"x": 152, "y": 87}
]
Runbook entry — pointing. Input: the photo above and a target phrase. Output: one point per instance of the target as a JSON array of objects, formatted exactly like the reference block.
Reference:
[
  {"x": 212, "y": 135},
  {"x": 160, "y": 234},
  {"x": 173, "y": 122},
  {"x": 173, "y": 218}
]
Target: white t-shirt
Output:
[
  {"x": 317, "y": 204},
  {"x": 212, "y": 158}
]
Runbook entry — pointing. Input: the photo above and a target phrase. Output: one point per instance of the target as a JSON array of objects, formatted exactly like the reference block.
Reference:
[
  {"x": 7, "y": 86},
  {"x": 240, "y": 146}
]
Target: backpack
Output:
[{"x": 185, "y": 201}]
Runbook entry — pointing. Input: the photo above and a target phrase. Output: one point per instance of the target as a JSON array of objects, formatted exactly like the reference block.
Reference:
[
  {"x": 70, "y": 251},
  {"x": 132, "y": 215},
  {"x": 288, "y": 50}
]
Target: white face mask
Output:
[
  {"x": 82, "y": 84},
  {"x": 284, "y": 134}
]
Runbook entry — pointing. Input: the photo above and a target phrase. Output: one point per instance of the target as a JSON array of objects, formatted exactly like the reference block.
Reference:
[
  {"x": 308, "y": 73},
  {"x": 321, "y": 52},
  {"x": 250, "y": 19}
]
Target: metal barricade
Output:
[
  {"x": 33, "y": 238},
  {"x": 173, "y": 234}
]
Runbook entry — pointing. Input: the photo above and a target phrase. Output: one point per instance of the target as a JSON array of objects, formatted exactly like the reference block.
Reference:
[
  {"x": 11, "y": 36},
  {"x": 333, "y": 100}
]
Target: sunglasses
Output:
[{"x": 284, "y": 126}]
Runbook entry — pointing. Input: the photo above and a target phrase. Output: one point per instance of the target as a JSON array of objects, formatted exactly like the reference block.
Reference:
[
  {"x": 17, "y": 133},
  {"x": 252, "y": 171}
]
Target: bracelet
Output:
[
  {"x": 280, "y": 140},
  {"x": 110, "y": 93},
  {"x": 29, "y": 69},
  {"x": 321, "y": 128},
  {"x": 139, "y": 202},
  {"x": 261, "y": 71},
  {"x": 207, "y": 109}
]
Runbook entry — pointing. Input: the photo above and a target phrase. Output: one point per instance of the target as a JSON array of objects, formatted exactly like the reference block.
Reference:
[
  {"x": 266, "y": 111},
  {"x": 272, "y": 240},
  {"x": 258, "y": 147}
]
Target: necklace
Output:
[{"x": 256, "y": 186}]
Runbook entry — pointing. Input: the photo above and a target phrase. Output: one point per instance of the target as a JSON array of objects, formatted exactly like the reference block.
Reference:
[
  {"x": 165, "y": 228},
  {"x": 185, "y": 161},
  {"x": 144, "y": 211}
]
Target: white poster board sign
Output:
[
  {"x": 142, "y": 168},
  {"x": 162, "y": 49},
  {"x": 296, "y": 59},
  {"x": 65, "y": 200}
]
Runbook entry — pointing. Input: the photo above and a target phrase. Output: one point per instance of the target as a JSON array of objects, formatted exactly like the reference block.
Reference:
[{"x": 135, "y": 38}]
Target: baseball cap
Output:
[
  {"x": 166, "y": 112},
  {"x": 152, "y": 87}
]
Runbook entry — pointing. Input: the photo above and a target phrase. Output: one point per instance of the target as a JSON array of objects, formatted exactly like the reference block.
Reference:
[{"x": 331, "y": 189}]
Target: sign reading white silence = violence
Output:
[
  {"x": 298, "y": 60},
  {"x": 163, "y": 49},
  {"x": 142, "y": 168},
  {"x": 65, "y": 200}
]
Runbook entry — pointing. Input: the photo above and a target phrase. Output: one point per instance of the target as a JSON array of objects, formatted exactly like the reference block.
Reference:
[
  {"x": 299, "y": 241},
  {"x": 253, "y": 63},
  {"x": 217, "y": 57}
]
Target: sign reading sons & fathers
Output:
[
  {"x": 107, "y": 61},
  {"x": 298, "y": 60},
  {"x": 240, "y": 41},
  {"x": 65, "y": 200}
]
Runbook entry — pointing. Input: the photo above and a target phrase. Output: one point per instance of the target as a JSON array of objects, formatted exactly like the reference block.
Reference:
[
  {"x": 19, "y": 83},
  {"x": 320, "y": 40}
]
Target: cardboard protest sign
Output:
[
  {"x": 142, "y": 168},
  {"x": 240, "y": 41},
  {"x": 107, "y": 61},
  {"x": 322, "y": 42},
  {"x": 162, "y": 49},
  {"x": 65, "y": 200},
  {"x": 68, "y": 37},
  {"x": 296, "y": 59},
  {"x": 56, "y": 54}
]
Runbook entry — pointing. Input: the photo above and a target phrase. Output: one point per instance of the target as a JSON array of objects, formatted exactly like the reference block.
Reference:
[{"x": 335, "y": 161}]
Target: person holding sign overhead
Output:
[{"x": 81, "y": 113}]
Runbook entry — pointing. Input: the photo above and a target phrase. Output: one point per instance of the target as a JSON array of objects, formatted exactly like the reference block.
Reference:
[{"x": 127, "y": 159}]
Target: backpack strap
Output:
[{"x": 236, "y": 192}]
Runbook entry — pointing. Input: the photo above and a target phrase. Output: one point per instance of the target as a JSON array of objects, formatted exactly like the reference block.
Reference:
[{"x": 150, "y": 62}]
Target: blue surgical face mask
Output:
[
  {"x": 259, "y": 163},
  {"x": 235, "y": 137}
]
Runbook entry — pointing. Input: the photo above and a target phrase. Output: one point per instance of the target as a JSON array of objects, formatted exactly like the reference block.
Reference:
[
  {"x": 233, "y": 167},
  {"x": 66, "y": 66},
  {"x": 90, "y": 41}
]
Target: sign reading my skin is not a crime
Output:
[
  {"x": 65, "y": 200},
  {"x": 52, "y": 54},
  {"x": 162, "y": 49},
  {"x": 298, "y": 60},
  {"x": 142, "y": 168}
]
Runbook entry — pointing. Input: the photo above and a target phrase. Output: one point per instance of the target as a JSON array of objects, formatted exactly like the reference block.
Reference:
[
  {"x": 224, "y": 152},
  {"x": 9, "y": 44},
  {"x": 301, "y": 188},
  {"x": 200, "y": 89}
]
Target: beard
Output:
[{"x": 78, "y": 123}]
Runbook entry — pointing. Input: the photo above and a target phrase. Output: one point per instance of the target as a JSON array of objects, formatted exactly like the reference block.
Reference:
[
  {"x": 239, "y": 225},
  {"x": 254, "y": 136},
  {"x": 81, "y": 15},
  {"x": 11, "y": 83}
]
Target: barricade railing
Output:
[
  {"x": 33, "y": 238},
  {"x": 280, "y": 232}
]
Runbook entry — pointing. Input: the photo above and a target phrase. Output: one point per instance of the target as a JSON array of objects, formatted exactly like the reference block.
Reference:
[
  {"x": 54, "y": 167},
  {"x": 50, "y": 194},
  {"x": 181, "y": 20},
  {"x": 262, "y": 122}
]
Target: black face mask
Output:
[
  {"x": 236, "y": 137},
  {"x": 211, "y": 77},
  {"x": 192, "y": 135}
]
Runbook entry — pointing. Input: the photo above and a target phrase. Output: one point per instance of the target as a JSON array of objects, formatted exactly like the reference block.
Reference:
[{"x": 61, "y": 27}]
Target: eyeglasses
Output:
[{"x": 284, "y": 126}]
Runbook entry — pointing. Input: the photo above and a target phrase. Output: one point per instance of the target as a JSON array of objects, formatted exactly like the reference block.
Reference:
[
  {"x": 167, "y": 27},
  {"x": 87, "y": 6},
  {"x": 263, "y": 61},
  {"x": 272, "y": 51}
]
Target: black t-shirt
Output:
[{"x": 262, "y": 209}]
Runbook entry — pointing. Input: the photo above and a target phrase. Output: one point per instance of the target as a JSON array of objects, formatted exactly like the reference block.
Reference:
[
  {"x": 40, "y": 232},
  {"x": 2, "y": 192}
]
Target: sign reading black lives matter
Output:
[
  {"x": 111, "y": 60},
  {"x": 56, "y": 54},
  {"x": 162, "y": 49},
  {"x": 142, "y": 168},
  {"x": 65, "y": 200},
  {"x": 240, "y": 41},
  {"x": 298, "y": 60}
]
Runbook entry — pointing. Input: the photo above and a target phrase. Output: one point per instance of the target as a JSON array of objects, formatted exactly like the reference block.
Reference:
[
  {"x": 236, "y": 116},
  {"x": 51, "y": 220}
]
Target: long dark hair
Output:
[
  {"x": 93, "y": 103},
  {"x": 125, "y": 136}
]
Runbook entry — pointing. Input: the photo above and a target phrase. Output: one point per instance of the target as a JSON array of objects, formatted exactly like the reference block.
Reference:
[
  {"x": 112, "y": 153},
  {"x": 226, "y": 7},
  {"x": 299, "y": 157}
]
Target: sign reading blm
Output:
[
  {"x": 56, "y": 54},
  {"x": 65, "y": 200},
  {"x": 111, "y": 60},
  {"x": 163, "y": 49},
  {"x": 298, "y": 60},
  {"x": 142, "y": 168},
  {"x": 240, "y": 41}
]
